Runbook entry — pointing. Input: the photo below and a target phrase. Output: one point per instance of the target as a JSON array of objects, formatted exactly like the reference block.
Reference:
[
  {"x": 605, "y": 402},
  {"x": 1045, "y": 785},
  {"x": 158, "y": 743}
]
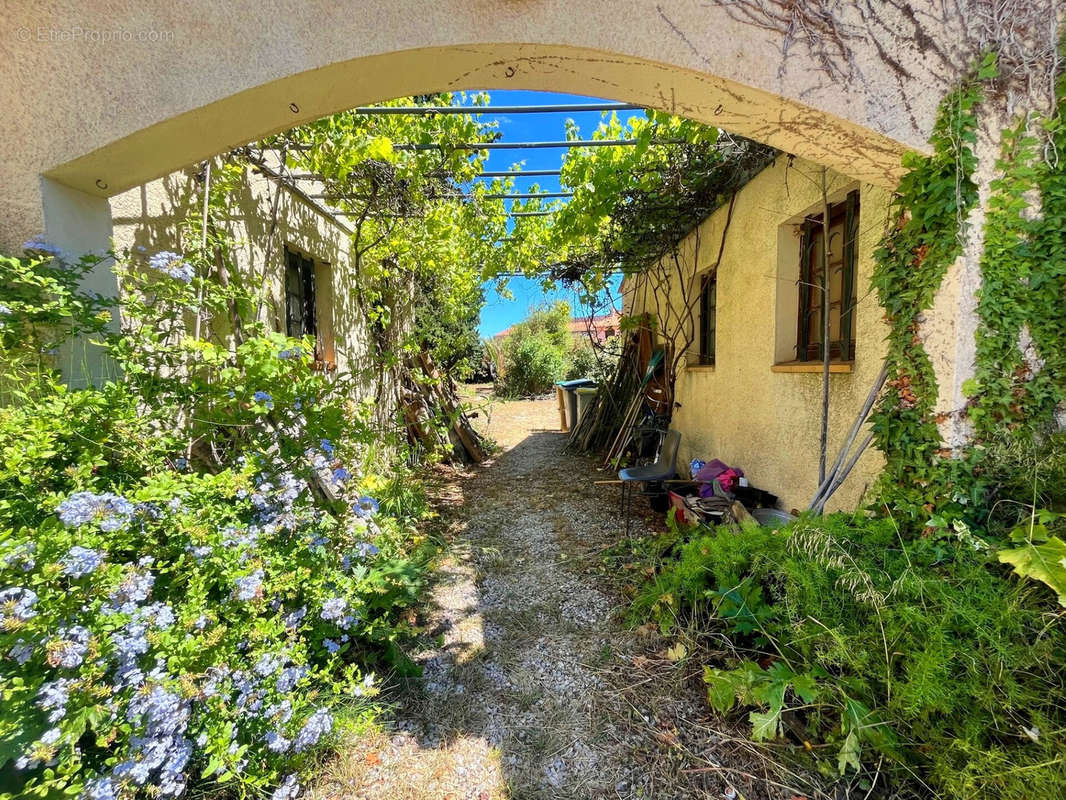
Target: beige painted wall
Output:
[
  {"x": 741, "y": 410},
  {"x": 104, "y": 95},
  {"x": 150, "y": 216}
]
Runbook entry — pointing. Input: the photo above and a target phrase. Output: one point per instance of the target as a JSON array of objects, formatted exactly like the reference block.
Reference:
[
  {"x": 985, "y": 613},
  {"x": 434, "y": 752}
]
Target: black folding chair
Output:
[{"x": 664, "y": 468}]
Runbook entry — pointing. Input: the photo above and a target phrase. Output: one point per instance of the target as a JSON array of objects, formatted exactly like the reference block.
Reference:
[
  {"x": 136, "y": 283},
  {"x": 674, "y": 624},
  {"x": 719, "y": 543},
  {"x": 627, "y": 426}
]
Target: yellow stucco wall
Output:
[
  {"x": 150, "y": 217},
  {"x": 741, "y": 410}
]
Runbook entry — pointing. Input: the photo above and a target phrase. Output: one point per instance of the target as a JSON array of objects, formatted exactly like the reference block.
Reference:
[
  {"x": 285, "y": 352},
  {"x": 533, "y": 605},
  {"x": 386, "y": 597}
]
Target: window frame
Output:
[
  {"x": 707, "y": 339},
  {"x": 841, "y": 350},
  {"x": 304, "y": 298}
]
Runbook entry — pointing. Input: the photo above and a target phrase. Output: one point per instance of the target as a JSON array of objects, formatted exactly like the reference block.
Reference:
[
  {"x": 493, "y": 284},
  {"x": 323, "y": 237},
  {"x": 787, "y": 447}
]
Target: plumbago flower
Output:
[
  {"x": 111, "y": 511},
  {"x": 287, "y": 790},
  {"x": 173, "y": 265},
  {"x": 365, "y": 507},
  {"x": 318, "y": 725},
  {"x": 193, "y": 630},
  {"x": 38, "y": 245},
  {"x": 16, "y": 606},
  {"x": 334, "y": 608},
  {"x": 264, "y": 398},
  {"x": 21, "y": 557},
  {"x": 250, "y": 587},
  {"x": 53, "y": 697},
  {"x": 80, "y": 561},
  {"x": 68, "y": 651}
]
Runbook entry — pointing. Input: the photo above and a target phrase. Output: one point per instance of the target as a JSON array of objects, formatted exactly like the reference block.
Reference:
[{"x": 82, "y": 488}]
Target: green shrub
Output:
[
  {"x": 535, "y": 354},
  {"x": 926, "y": 655},
  {"x": 582, "y": 361},
  {"x": 196, "y": 582}
]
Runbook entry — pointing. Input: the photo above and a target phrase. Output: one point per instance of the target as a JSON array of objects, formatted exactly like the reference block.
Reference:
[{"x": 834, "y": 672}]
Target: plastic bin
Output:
[
  {"x": 584, "y": 400},
  {"x": 570, "y": 390}
]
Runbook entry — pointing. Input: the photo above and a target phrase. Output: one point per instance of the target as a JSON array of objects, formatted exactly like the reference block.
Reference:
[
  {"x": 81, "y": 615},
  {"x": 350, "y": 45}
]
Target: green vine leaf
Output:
[
  {"x": 1045, "y": 562},
  {"x": 849, "y": 753},
  {"x": 765, "y": 725}
]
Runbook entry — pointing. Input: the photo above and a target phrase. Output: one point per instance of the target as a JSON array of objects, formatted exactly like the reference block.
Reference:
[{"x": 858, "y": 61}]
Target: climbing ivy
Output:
[
  {"x": 934, "y": 198},
  {"x": 1021, "y": 341}
]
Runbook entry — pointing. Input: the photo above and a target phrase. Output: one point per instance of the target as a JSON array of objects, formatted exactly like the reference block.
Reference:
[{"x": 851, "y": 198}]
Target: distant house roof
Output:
[{"x": 599, "y": 327}]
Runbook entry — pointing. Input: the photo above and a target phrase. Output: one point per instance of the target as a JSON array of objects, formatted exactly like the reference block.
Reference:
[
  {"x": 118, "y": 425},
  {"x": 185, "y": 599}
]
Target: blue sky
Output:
[{"x": 500, "y": 312}]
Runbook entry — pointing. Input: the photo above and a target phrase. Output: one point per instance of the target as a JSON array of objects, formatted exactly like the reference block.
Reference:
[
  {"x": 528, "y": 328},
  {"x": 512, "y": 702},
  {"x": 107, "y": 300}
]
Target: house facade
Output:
[
  {"x": 749, "y": 391},
  {"x": 294, "y": 247}
]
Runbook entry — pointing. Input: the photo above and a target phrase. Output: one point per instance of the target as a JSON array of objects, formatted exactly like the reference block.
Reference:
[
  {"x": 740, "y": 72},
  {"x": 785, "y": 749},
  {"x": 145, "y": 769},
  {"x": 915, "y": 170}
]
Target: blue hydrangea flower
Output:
[
  {"x": 173, "y": 265},
  {"x": 288, "y": 789},
  {"x": 17, "y": 603},
  {"x": 341, "y": 475},
  {"x": 334, "y": 608},
  {"x": 331, "y": 646},
  {"x": 81, "y": 561},
  {"x": 327, "y": 447},
  {"x": 365, "y": 507},
  {"x": 292, "y": 352},
  {"x": 112, "y": 511},
  {"x": 250, "y": 586},
  {"x": 264, "y": 398}
]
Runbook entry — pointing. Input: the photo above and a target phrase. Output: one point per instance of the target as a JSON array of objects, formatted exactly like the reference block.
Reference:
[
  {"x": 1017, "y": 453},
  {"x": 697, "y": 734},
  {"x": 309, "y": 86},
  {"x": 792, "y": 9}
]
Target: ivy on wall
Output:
[
  {"x": 933, "y": 198},
  {"x": 1021, "y": 343},
  {"x": 1020, "y": 372}
]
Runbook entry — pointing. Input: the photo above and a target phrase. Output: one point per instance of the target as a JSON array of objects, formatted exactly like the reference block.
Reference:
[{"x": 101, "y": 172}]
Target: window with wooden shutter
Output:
[
  {"x": 843, "y": 230},
  {"x": 300, "y": 312}
]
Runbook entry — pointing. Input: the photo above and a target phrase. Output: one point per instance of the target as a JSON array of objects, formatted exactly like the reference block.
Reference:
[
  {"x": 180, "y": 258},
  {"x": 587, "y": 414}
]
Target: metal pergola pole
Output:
[
  {"x": 572, "y": 108},
  {"x": 569, "y": 144},
  {"x": 531, "y": 173},
  {"x": 518, "y": 196}
]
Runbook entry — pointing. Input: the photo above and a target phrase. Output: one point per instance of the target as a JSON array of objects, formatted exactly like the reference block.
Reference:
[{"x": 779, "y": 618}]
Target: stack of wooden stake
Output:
[
  {"x": 612, "y": 406},
  {"x": 434, "y": 418}
]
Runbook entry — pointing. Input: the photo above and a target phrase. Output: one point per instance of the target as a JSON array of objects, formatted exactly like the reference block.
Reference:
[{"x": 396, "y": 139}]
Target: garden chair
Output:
[{"x": 664, "y": 468}]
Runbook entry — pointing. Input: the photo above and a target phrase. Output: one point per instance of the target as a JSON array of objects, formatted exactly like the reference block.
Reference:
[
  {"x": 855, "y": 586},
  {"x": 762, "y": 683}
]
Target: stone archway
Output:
[{"x": 105, "y": 96}]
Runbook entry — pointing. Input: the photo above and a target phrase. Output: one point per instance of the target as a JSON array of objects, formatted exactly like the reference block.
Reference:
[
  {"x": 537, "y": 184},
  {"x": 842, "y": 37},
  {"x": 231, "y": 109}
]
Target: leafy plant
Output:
[
  {"x": 1041, "y": 555},
  {"x": 197, "y": 585},
  {"x": 861, "y": 648}
]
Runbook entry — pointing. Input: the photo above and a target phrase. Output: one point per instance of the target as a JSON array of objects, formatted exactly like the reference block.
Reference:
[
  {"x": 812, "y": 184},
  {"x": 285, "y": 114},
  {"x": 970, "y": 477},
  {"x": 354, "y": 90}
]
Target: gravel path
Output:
[{"x": 532, "y": 687}]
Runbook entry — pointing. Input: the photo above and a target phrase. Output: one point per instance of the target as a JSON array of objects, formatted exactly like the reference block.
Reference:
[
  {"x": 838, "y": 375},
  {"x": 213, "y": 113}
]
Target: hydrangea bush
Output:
[{"x": 197, "y": 579}]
